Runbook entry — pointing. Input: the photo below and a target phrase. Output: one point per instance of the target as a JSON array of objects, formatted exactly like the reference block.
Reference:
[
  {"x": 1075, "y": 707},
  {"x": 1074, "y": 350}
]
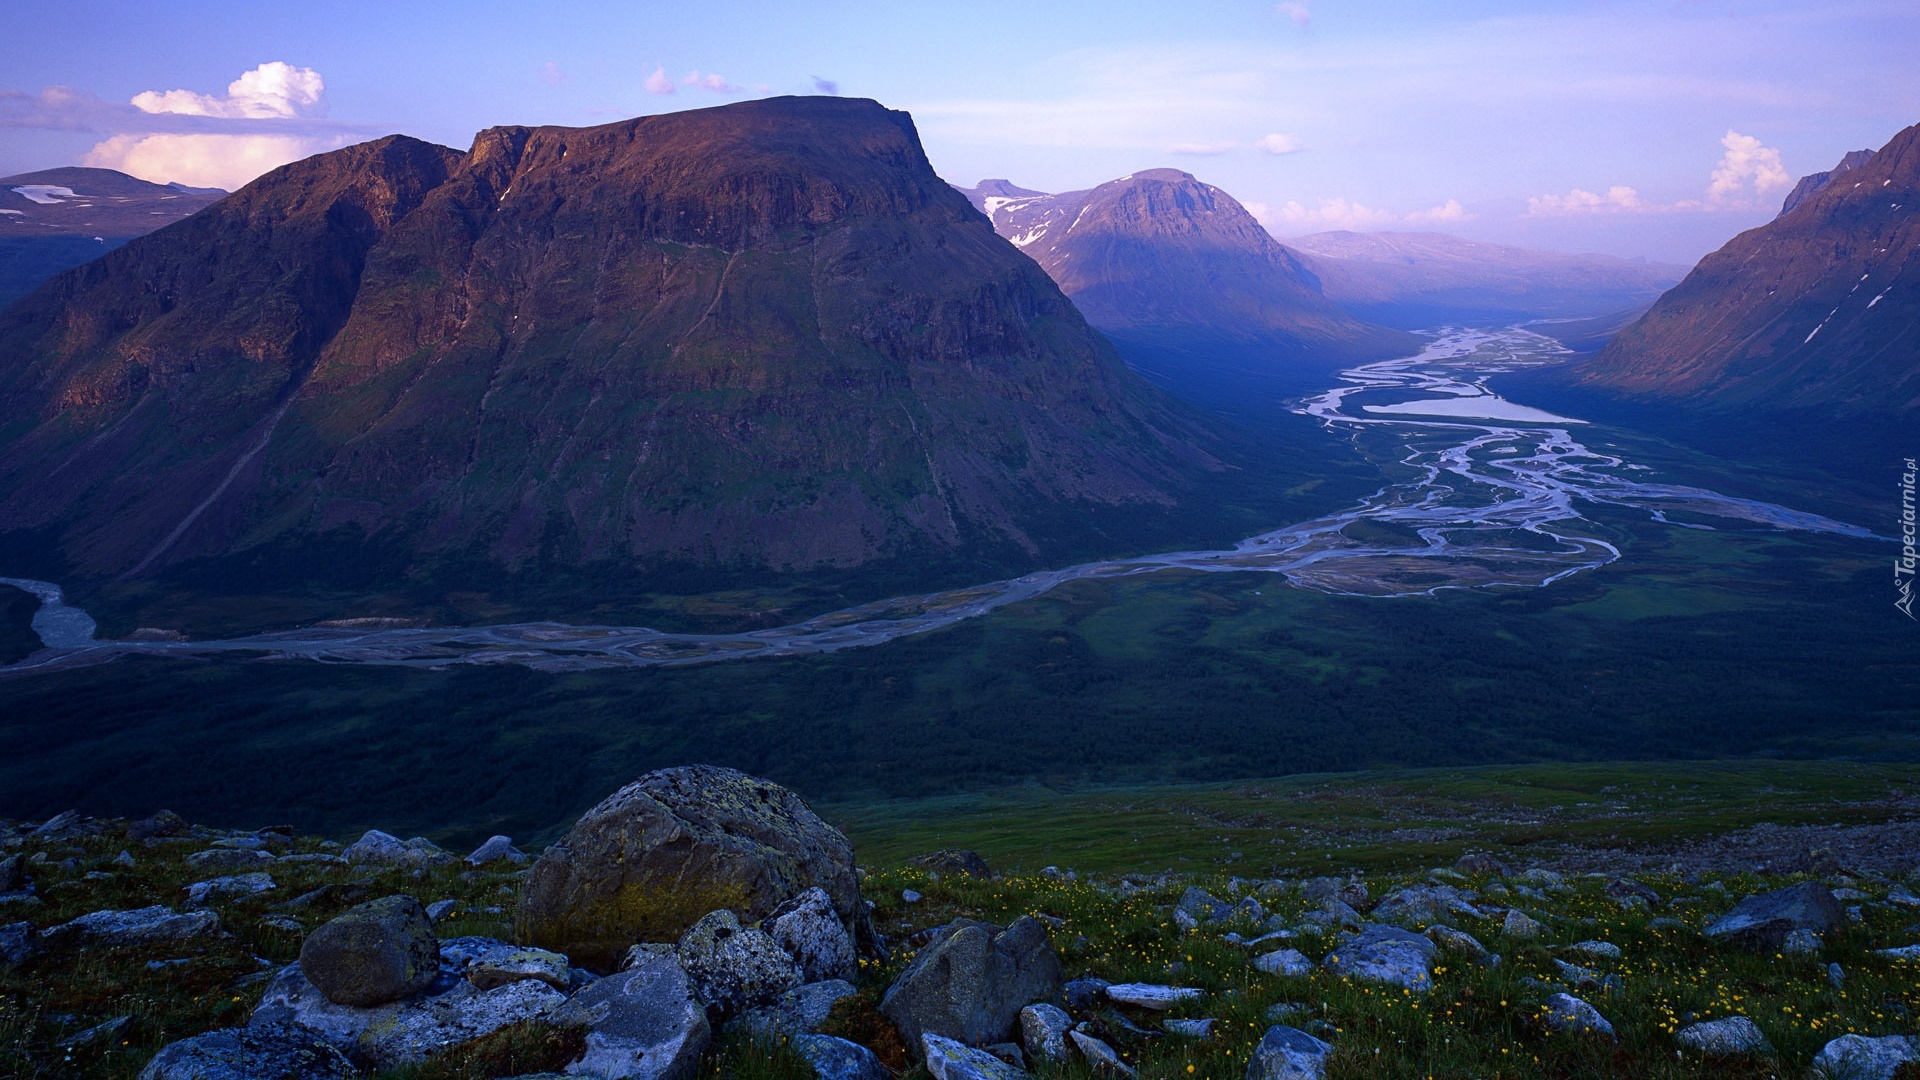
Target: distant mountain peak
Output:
[{"x": 1813, "y": 182}]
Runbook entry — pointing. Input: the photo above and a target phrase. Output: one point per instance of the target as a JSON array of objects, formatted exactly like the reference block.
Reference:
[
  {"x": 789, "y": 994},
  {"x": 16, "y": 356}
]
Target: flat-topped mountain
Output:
[
  {"x": 57, "y": 218},
  {"x": 761, "y": 335},
  {"x": 1818, "y": 310},
  {"x": 1418, "y": 279},
  {"x": 1160, "y": 258}
]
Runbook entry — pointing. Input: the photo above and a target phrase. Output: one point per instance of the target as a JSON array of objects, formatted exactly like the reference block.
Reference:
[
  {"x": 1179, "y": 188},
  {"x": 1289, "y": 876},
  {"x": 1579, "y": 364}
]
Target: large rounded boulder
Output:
[
  {"x": 659, "y": 854},
  {"x": 380, "y": 951}
]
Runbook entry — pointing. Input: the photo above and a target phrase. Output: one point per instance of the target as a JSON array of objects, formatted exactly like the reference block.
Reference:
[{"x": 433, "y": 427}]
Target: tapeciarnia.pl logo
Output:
[{"x": 1903, "y": 567}]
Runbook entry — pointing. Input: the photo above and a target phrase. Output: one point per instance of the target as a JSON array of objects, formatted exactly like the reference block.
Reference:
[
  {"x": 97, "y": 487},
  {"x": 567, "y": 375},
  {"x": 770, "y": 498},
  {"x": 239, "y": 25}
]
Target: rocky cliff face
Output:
[
  {"x": 1817, "y": 311},
  {"x": 1159, "y": 256},
  {"x": 1813, "y": 182},
  {"x": 764, "y": 334}
]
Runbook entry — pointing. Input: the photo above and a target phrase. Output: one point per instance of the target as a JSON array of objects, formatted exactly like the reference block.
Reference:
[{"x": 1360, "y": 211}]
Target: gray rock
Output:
[
  {"x": 1580, "y": 977},
  {"x": 1152, "y": 995},
  {"x": 910, "y": 897},
  {"x": 138, "y": 926},
  {"x": 734, "y": 967},
  {"x": 1043, "y": 1032},
  {"x": 1902, "y": 896},
  {"x": 249, "y": 1054},
  {"x": 1733, "y": 1036},
  {"x": 403, "y": 1032},
  {"x": 653, "y": 858},
  {"x": 1482, "y": 864},
  {"x": 124, "y": 860},
  {"x": 810, "y": 930},
  {"x": 645, "y": 951},
  {"x": 1857, "y": 1057},
  {"x": 1289, "y": 962},
  {"x": 13, "y": 873},
  {"x": 1762, "y": 922},
  {"x": 16, "y": 943},
  {"x": 60, "y": 826},
  {"x": 1605, "y": 950},
  {"x": 837, "y": 1059},
  {"x": 971, "y": 982},
  {"x": 229, "y": 859},
  {"x": 163, "y": 824},
  {"x": 497, "y": 849},
  {"x": 1569, "y": 1014},
  {"x": 1836, "y": 976},
  {"x": 1286, "y": 1053},
  {"x": 1456, "y": 942},
  {"x": 1084, "y": 993},
  {"x": 1904, "y": 952},
  {"x": 1332, "y": 913},
  {"x": 1102, "y": 1057},
  {"x": 1802, "y": 943},
  {"x": 797, "y": 1012},
  {"x": 1007, "y": 1052},
  {"x": 949, "y": 1059},
  {"x": 374, "y": 953},
  {"x": 1424, "y": 904},
  {"x": 1388, "y": 954},
  {"x": 1287, "y": 1010},
  {"x": 643, "y": 1024},
  {"x": 1190, "y": 1029},
  {"x": 98, "y": 1033},
  {"x": 954, "y": 861},
  {"x": 1322, "y": 889},
  {"x": 511, "y": 964},
  {"x": 1519, "y": 924},
  {"x": 440, "y": 909},
  {"x": 375, "y": 848},
  {"x": 239, "y": 885}
]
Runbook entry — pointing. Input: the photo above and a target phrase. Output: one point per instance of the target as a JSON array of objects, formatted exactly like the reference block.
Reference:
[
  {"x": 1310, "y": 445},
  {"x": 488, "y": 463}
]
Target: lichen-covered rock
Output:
[
  {"x": 250, "y": 1054},
  {"x": 1519, "y": 924},
  {"x": 735, "y": 967},
  {"x": 375, "y": 848},
  {"x": 1763, "y": 921},
  {"x": 379, "y": 951},
  {"x": 971, "y": 981},
  {"x": 496, "y": 849},
  {"x": 1286, "y": 962},
  {"x": 659, "y": 854},
  {"x": 452, "y": 1012},
  {"x": 1287, "y": 1053},
  {"x": 1043, "y": 1032},
  {"x": 810, "y": 930},
  {"x": 949, "y": 1059},
  {"x": 1385, "y": 954},
  {"x": 642, "y": 1023},
  {"x": 1567, "y": 1013},
  {"x": 511, "y": 964},
  {"x": 1857, "y": 1057},
  {"x": 1732, "y": 1036},
  {"x": 139, "y": 925},
  {"x": 837, "y": 1059},
  {"x": 797, "y": 1012},
  {"x": 954, "y": 861}
]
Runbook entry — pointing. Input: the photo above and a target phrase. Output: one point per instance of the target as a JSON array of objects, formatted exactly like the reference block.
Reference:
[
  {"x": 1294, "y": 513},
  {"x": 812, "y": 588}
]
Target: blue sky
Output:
[{"x": 1657, "y": 129}]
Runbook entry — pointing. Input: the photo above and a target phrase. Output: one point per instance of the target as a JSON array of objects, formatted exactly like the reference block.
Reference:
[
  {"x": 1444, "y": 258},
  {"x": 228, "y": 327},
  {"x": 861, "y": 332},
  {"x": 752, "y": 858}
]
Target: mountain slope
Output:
[
  {"x": 1160, "y": 258},
  {"x": 1422, "y": 279},
  {"x": 57, "y": 218},
  {"x": 762, "y": 335},
  {"x": 1818, "y": 310},
  {"x": 1813, "y": 182}
]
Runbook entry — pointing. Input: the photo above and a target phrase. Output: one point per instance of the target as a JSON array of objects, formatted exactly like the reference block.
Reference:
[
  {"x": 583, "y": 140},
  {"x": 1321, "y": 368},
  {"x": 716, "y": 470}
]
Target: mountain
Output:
[
  {"x": 1813, "y": 182},
  {"x": 1162, "y": 261},
  {"x": 1816, "y": 311},
  {"x": 1420, "y": 279},
  {"x": 57, "y": 218},
  {"x": 763, "y": 336}
]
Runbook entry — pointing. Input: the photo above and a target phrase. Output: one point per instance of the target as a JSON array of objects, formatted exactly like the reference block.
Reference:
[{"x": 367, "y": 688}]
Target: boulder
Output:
[
  {"x": 1201, "y": 906},
  {"x": 60, "y": 826},
  {"x": 1287, "y": 1053},
  {"x": 735, "y": 967},
  {"x": 642, "y": 1023},
  {"x": 1857, "y": 1057},
  {"x": 1457, "y": 942},
  {"x": 1084, "y": 993},
  {"x": 954, "y": 861},
  {"x": 1762, "y": 922},
  {"x": 162, "y": 824},
  {"x": 837, "y": 1059},
  {"x": 948, "y": 1059},
  {"x": 1190, "y": 1029},
  {"x": 1322, "y": 889},
  {"x": 810, "y": 930},
  {"x": 659, "y": 854},
  {"x": 227, "y": 858},
  {"x": 1731, "y": 1037},
  {"x": 1043, "y": 1032},
  {"x": 1424, "y": 904},
  {"x": 1569, "y": 1014},
  {"x": 1802, "y": 943},
  {"x": 16, "y": 943},
  {"x": 237, "y": 885},
  {"x": 797, "y": 1012},
  {"x": 496, "y": 849},
  {"x": 13, "y": 873},
  {"x": 138, "y": 926},
  {"x": 1284, "y": 962},
  {"x": 451, "y": 1013},
  {"x": 1388, "y": 954},
  {"x": 1518, "y": 924},
  {"x": 971, "y": 982},
  {"x": 375, "y": 848},
  {"x": 250, "y": 1054},
  {"x": 1604, "y": 950},
  {"x": 1153, "y": 995},
  {"x": 374, "y": 953},
  {"x": 1482, "y": 864},
  {"x": 1102, "y": 1057},
  {"x": 511, "y": 964}
]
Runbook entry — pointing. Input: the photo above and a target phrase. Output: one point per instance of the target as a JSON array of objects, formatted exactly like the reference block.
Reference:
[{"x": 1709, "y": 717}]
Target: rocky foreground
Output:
[{"x": 701, "y": 922}]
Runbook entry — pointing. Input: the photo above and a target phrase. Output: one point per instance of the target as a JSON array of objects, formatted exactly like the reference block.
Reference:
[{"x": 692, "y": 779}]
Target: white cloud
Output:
[
  {"x": 272, "y": 91},
  {"x": 1281, "y": 144},
  {"x": 713, "y": 81},
  {"x": 551, "y": 72},
  {"x": 1447, "y": 213},
  {"x": 1202, "y": 148},
  {"x": 660, "y": 82},
  {"x": 1295, "y": 10},
  {"x": 1747, "y": 168},
  {"x": 1619, "y": 199},
  {"x": 223, "y": 161}
]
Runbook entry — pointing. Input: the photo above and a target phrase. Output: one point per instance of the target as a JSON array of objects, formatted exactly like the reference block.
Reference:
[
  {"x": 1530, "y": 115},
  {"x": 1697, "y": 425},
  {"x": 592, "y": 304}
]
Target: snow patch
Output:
[
  {"x": 45, "y": 194},
  {"x": 15, "y": 213}
]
